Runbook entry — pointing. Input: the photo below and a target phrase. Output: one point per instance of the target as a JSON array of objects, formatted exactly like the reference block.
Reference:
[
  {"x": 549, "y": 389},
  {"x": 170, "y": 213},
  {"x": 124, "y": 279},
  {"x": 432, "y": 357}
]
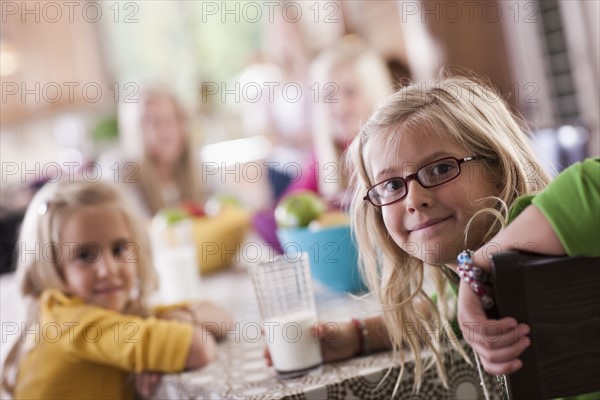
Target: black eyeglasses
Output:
[{"x": 433, "y": 174}]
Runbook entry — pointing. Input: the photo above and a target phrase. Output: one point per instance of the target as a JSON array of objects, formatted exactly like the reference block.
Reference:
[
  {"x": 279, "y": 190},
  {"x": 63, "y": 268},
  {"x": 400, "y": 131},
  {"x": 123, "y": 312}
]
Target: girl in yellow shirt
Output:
[{"x": 86, "y": 274}]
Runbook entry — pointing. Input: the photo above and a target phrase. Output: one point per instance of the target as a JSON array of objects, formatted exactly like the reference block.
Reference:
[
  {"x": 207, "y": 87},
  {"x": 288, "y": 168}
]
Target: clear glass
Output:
[
  {"x": 284, "y": 292},
  {"x": 175, "y": 261}
]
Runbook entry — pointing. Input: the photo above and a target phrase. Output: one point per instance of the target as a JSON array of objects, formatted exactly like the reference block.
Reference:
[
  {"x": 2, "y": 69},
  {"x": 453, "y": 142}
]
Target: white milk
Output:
[
  {"x": 291, "y": 344},
  {"x": 179, "y": 278}
]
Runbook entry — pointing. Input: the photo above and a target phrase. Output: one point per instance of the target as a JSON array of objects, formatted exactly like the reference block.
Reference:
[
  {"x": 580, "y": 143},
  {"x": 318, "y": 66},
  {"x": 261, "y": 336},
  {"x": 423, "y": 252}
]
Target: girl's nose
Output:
[
  {"x": 418, "y": 197},
  {"x": 107, "y": 265}
]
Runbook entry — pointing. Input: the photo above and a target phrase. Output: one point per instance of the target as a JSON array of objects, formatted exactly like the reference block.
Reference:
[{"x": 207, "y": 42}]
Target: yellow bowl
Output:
[{"x": 219, "y": 238}]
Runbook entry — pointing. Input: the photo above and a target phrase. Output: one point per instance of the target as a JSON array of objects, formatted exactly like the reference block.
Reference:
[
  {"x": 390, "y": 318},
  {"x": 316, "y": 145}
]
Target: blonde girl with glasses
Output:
[
  {"x": 440, "y": 164},
  {"x": 436, "y": 169},
  {"x": 86, "y": 275}
]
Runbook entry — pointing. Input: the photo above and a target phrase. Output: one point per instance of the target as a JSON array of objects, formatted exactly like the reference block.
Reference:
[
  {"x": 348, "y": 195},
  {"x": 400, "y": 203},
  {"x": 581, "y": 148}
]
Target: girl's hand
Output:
[
  {"x": 211, "y": 317},
  {"x": 498, "y": 343},
  {"x": 339, "y": 341},
  {"x": 146, "y": 382}
]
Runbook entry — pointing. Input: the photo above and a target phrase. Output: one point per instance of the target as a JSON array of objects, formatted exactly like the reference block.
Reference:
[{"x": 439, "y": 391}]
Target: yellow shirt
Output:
[{"x": 87, "y": 352}]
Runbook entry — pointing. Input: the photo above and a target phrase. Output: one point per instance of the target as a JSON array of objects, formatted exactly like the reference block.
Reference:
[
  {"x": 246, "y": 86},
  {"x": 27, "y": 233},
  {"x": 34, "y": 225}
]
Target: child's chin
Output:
[{"x": 115, "y": 305}]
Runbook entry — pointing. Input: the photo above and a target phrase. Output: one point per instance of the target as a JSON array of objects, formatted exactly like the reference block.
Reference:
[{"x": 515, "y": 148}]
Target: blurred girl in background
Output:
[
  {"x": 352, "y": 78},
  {"x": 162, "y": 162}
]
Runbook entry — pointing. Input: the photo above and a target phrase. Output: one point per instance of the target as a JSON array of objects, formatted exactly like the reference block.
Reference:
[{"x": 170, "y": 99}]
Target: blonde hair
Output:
[
  {"x": 131, "y": 130},
  {"x": 472, "y": 115},
  {"x": 38, "y": 271},
  {"x": 375, "y": 84}
]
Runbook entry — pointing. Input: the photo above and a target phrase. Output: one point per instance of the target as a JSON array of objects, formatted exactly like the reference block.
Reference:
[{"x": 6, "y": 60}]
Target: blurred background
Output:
[{"x": 241, "y": 72}]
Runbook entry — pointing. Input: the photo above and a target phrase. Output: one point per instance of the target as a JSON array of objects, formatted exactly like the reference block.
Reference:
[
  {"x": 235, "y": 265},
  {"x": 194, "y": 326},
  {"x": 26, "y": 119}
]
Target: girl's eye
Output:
[
  {"x": 443, "y": 168},
  {"x": 393, "y": 185},
  {"x": 119, "y": 249},
  {"x": 438, "y": 173},
  {"x": 88, "y": 254}
]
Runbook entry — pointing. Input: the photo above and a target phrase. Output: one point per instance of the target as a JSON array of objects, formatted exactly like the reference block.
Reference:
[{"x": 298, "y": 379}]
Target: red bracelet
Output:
[{"x": 363, "y": 339}]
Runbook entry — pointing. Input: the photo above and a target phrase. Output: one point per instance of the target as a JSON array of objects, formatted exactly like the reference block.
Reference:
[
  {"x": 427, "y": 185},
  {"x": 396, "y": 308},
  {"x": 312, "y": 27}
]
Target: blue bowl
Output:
[{"x": 332, "y": 254}]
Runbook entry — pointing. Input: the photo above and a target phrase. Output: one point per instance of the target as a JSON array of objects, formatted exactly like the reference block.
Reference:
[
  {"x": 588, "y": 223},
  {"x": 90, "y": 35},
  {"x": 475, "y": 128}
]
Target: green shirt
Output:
[{"x": 571, "y": 203}]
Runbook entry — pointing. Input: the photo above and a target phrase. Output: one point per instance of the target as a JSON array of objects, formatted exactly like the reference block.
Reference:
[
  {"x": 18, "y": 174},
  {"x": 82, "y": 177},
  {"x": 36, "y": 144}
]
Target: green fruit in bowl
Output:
[{"x": 298, "y": 209}]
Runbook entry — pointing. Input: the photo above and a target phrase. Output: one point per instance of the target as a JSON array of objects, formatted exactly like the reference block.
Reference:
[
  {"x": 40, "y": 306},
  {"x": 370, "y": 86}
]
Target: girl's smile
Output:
[
  {"x": 108, "y": 290},
  {"x": 429, "y": 224}
]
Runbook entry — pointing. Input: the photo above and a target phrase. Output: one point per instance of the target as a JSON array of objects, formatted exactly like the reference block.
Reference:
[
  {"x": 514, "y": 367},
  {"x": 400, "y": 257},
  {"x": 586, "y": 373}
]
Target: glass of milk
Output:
[
  {"x": 175, "y": 260},
  {"x": 283, "y": 288}
]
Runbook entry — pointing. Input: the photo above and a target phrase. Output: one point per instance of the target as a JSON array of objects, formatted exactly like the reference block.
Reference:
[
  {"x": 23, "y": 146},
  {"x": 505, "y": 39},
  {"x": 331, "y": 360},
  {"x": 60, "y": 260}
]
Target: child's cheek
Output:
[
  {"x": 392, "y": 224},
  {"x": 129, "y": 272},
  {"x": 77, "y": 282}
]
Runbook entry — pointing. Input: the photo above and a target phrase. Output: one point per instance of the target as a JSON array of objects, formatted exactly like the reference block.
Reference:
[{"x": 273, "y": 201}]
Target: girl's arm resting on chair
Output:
[{"x": 530, "y": 232}]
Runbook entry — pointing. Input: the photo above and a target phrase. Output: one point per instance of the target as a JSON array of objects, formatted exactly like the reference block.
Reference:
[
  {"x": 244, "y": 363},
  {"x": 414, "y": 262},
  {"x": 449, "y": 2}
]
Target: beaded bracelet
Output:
[
  {"x": 479, "y": 280},
  {"x": 363, "y": 336}
]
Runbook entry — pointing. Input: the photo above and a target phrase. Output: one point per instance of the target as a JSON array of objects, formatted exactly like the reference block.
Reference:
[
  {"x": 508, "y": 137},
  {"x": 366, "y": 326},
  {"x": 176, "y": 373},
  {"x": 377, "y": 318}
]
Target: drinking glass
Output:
[{"x": 284, "y": 292}]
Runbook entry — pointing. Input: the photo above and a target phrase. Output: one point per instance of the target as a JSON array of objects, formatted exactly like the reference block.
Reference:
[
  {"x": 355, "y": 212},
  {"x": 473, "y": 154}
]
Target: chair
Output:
[{"x": 559, "y": 298}]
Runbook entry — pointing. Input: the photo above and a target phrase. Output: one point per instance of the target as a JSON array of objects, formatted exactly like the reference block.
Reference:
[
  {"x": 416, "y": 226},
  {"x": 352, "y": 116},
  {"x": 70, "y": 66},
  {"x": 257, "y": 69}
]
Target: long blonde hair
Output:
[
  {"x": 145, "y": 173},
  {"x": 375, "y": 83},
  {"x": 39, "y": 270},
  {"x": 472, "y": 115}
]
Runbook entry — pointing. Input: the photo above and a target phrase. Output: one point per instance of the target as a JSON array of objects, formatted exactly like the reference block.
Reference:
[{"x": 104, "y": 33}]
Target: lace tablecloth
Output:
[{"x": 240, "y": 371}]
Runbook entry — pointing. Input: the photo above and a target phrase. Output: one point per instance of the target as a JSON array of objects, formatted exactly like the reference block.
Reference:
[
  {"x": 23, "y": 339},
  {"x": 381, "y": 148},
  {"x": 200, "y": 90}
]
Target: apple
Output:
[{"x": 298, "y": 209}]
